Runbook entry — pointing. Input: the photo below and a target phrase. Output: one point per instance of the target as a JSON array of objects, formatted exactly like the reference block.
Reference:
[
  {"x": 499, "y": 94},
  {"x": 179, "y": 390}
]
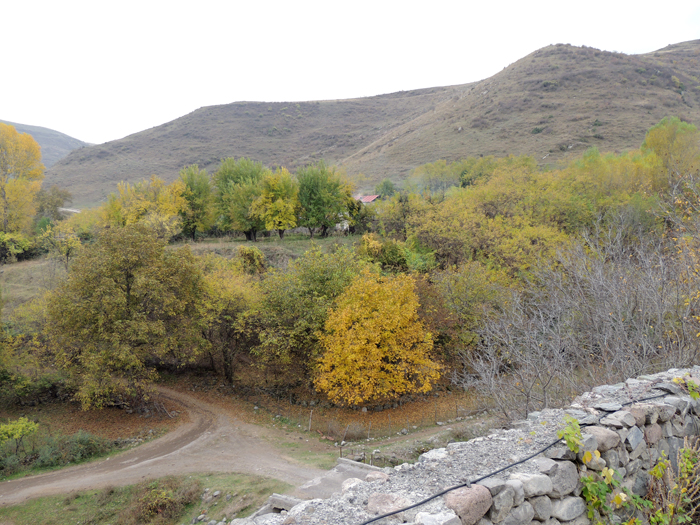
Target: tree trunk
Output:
[
  {"x": 227, "y": 355},
  {"x": 311, "y": 232},
  {"x": 4, "y": 209},
  {"x": 281, "y": 234}
]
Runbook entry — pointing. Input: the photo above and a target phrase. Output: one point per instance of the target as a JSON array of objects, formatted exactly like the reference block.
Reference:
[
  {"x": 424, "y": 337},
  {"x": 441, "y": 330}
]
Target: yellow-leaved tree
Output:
[
  {"x": 278, "y": 203},
  {"x": 21, "y": 173},
  {"x": 375, "y": 347},
  {"x": 151, "y": 203}
]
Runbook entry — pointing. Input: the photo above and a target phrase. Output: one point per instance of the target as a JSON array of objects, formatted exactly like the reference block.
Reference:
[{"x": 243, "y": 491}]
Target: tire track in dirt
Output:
[{"x": 212, "y": 441}]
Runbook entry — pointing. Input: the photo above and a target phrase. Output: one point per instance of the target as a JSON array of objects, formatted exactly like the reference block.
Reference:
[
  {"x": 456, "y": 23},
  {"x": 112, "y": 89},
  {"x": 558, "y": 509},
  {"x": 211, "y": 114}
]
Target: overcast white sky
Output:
[{"x": 99, "y": 71}]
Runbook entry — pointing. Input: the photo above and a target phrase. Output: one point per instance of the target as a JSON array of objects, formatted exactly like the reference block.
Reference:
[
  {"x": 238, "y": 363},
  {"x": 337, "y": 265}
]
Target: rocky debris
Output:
[
  {"x": 565, "y": 479},
  {"x": 546, "y": 489},
  {"x": 383, "y": 503},
  {"x": 442, "y": 518}
]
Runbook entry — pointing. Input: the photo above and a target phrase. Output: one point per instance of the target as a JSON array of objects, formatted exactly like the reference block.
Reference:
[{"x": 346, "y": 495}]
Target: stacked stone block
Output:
[{"x": 630, "y": 440}]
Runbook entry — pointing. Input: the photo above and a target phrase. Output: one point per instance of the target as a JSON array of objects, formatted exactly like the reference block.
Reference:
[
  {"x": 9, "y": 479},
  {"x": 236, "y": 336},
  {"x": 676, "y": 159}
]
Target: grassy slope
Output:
[
  {"x": 54, "y": 144},
  {"x": 578, "y": 97}
]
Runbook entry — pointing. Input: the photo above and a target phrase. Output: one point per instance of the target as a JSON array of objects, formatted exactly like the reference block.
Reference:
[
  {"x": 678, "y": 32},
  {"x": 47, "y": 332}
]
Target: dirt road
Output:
[{"x": 212, "y": 441}]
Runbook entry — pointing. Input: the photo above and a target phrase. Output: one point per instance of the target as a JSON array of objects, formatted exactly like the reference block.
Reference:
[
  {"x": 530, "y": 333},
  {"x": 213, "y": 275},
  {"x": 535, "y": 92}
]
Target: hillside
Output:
[
  {"x": 289, "y": 134},
  {"x": 552, "y": 103},
  {"x": 54, "y": 144}
]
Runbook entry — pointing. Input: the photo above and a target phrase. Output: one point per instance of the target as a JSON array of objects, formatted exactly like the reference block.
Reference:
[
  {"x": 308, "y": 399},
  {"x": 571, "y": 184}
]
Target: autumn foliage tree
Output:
[
  {"x": 675, "y": 144},
  {"x": 230, "y": 294},
  {"x": 151, "y": 203},
  {"x": 375, "y": 347},
  {"x": 21, "y": 173}
]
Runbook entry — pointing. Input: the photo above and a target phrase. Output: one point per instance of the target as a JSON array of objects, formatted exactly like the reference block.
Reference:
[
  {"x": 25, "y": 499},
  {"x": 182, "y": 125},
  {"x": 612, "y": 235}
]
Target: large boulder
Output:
[{"x": 469, "y": 503}]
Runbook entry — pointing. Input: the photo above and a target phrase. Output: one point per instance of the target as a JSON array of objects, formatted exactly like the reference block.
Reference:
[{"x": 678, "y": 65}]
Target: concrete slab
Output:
[{"x": 328, "y": 484}]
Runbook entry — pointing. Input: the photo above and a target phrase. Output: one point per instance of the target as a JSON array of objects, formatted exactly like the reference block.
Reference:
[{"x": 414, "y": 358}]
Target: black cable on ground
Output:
[{"x": 468, "y": 483}]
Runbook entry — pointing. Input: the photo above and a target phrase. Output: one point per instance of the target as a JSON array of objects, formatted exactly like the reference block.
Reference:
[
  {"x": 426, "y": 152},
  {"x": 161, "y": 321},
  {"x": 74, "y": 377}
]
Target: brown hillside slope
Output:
[
  {"x": 288, "y": 134},
  {"x": 553, "y": 103}
]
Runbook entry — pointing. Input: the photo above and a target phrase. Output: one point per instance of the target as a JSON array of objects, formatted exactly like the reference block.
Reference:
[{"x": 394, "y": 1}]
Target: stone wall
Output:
[{"x": 630, "y": 424}]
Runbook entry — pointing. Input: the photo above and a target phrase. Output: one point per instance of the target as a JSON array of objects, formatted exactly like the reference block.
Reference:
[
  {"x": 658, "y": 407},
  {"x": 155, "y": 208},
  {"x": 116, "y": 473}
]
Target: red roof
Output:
[{"x": 368, "y": 198}]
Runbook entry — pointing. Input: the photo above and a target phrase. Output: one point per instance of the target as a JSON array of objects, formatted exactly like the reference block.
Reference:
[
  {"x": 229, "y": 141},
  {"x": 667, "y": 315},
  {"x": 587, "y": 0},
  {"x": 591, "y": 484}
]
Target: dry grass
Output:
[
  {"x": 277, "y": 253},
  {"x": 21, "y": 282}
]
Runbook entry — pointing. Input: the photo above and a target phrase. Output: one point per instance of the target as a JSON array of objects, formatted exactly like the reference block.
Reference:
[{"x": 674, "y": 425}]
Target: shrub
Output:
[
  {"x": 252, "y": 259},
  {"x": 49, "y": 456},
  {"x": 157, "y": 501},
  {"x": 83, "y": 445},
  {"x": 162, "y": 501},
  {"x": 675, "y": 493}
]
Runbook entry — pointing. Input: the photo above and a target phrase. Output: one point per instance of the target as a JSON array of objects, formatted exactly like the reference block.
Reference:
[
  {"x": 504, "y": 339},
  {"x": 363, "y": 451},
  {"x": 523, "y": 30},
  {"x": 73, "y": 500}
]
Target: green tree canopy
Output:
[
  {"x": 238, "y": 184},
  {"x": 127, "y": 303},
  {"x": 295, "y": 303},
  {"x": 322, "y": 198},
  {"x": 197, "y": 214},
  {"x": 385, "y": 189},
  {"x": 437, "y": 177}
]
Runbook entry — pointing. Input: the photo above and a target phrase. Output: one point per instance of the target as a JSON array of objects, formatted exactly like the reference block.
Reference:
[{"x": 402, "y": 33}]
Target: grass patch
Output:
[
  {"x": 165, "y": 500},
  {"x": 42, "y": 451},
  {"x": 277, "y": 252},
  {"x": 300, "y": 453}
]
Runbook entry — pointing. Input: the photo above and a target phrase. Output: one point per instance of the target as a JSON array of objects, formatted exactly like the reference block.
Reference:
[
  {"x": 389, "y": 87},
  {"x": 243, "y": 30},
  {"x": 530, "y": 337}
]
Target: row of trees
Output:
[
  {"x": 242, "y": 196},
  {"x": 251, "y": 198}
]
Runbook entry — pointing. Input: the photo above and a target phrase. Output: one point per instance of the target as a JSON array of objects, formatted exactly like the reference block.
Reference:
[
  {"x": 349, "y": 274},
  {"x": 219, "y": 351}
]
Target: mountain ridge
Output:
[
  {"x": 54, "y": 144},
  {"x": 553, "y": 104}
]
